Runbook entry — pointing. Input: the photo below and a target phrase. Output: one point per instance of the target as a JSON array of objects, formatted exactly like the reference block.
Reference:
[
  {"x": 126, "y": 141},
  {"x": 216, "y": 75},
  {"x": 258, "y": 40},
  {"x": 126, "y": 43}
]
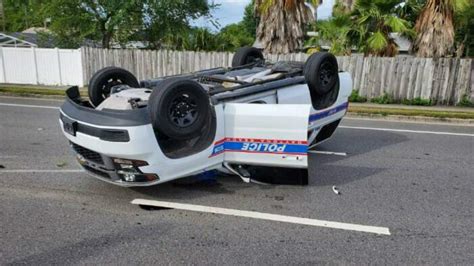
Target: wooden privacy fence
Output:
[{"x": 444, "y": 80}]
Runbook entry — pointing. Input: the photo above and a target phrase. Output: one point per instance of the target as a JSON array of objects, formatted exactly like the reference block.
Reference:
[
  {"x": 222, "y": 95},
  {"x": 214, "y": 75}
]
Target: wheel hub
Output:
[
  {"x": 183, "y": 111},
  {"x": 107, "y": 87},
  {"x": 326, "y": 74}
]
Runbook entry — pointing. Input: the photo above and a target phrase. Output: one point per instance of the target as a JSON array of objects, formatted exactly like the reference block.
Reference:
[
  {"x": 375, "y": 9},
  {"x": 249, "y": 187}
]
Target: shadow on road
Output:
[{"x": 324, "y": 170}]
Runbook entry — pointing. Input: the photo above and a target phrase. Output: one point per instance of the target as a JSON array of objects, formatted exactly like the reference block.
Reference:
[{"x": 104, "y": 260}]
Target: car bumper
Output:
[{"x": 116, "y": 147}]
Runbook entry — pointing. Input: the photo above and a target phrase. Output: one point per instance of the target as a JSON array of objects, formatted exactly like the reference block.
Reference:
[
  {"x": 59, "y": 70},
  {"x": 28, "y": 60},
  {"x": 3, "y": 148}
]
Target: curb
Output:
[{"x": 404, "y": 118}]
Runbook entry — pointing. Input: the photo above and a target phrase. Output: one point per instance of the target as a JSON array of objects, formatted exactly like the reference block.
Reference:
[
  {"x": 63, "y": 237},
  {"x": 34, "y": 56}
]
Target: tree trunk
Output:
[
  {"x": 106, "y": 34},
  {"x": 106, "y": 38},
  {"x": 281, "y": 27},
  {"x": 435, "y": 30}
]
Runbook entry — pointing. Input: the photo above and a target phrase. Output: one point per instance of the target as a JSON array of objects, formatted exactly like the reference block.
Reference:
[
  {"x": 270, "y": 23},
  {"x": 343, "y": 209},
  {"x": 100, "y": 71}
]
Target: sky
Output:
[{"x": 232, "y": 11}]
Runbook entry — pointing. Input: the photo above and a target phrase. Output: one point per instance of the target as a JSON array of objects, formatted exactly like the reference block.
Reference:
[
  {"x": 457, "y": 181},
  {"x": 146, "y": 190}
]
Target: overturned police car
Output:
[{"x": 255, "y": 119}]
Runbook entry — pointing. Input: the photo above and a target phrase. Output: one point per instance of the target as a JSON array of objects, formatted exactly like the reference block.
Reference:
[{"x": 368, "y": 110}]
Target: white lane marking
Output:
[
  {"x": 411, "y": 131},
  {"x": 328, "y": 153},
  {"x": 28, "y": 105},
  {"x": 264, "y": 216},
  {"x": 42, "y": 171}
]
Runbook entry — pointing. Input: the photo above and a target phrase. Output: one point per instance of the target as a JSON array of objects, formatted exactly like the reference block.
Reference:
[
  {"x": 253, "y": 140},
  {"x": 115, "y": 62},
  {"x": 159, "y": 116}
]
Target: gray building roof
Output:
[{"x": 17, "y": 40}]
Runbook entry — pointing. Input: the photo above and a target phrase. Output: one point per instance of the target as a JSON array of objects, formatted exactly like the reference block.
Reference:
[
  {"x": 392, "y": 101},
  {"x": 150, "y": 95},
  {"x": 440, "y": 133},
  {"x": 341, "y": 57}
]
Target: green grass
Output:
[
  {"x": 21, "y": 90},
  {"x": 356, "y": 98},
  {"x": 465, "y": 102},
  {"x": 384, "y": 99},
  {"x": 410, "y": 112},
  {"x": 417, "y": 101}
]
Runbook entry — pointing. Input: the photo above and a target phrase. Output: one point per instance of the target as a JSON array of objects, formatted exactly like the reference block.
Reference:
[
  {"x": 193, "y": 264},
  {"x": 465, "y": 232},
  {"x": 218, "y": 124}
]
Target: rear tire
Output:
[
  {"x": 179, "y": 108},
  {"x": 321, "y": 72},
  {"x": 321, "y": 75},
  {"x": 103, "y": 80},
  {"x": 246, "y": 55}
]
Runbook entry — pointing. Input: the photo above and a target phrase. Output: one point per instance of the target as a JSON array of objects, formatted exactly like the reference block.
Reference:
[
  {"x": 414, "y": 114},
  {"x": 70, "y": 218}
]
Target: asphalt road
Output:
[{"x": 419, "y": 185}]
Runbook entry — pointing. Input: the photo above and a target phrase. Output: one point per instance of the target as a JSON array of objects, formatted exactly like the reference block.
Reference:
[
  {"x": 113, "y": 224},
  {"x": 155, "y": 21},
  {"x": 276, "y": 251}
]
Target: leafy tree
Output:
[
  {"x": 374, "y": 21},
  {"x": 234, "y": 36},
  {"x": 464, "y": 30},
  {"x": 167, "y": 21},
  {"x": 107, "y": 21},
  {"x": 104, "y": 20},
  {"x": 239, "y": 34},
  {"x": 23, "y": 14},
  {"x": 250, "y": 21},
  {"x": 202, "y": 39}
]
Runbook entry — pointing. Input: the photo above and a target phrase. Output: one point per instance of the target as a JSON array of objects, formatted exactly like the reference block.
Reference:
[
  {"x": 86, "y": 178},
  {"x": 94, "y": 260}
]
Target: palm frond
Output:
[
  {"x": 395, "y": 23},
  {"x": 377, "y": 42}
]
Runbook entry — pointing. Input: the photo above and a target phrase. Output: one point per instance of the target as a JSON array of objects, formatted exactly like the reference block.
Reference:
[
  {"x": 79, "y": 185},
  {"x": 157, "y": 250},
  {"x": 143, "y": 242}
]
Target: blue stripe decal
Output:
[
  {"x": 329, "y": 112},
  {"x": 265, "y": 147},
  {"x": 255, "y": 147},
  {"x": 218, "y": 149}
]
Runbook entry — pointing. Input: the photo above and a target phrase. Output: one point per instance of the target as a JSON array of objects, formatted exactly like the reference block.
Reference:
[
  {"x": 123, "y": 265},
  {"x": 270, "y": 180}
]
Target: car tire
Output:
[
  {"x": 179, "y": 108},
  {"x": 246, "y": 55},
  {"x": 321, "y": 75},
  {"x": 103, "y": 80},
  {"x": 321, "y": 72}
]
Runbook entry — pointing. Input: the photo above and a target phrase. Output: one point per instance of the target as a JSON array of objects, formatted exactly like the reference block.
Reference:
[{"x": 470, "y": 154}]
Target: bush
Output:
[
  {"x": 356, "y": 98},
  {"x": 417, "y": 101},
  {"x": 465, "y": 102},
  {"x": 384, "y": 99}
]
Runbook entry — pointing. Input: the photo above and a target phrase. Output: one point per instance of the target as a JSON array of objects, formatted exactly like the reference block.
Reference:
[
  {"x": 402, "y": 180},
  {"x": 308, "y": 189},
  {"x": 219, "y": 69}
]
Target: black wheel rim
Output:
[
  {"x": 326, "y": 74},
  {"x": 107, "y": 85},
  {"x": 183, "y": 111},
  {"x": 250, "y": 59}
]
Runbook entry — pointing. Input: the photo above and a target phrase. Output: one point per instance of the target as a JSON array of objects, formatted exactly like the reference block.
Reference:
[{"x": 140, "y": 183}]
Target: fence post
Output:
[
  {"x": 33, "y": 49},
  {"x": 59, "y": 66},
  {"x": 3, "y": 66},
  {"x": 84, "y": 65}
]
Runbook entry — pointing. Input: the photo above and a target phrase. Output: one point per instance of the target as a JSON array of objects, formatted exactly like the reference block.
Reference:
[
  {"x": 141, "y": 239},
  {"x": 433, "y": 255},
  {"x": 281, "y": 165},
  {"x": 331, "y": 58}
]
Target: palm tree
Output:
[
  {"x": 282, "y": 23},
  {"x": 435, "y": 29},
  {"x": 335, "y": 33},
  {"x": 375, "y": 20}
]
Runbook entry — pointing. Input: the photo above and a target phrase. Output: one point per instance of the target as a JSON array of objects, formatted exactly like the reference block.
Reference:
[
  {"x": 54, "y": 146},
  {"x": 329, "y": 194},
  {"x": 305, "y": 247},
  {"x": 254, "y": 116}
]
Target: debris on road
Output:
[
  {"x": 61, "y": 164},
  {"x": 336, "y": 190}
]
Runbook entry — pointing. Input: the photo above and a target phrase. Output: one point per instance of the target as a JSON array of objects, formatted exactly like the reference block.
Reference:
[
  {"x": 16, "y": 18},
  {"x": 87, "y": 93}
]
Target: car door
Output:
[{"x": 266, "y": 134}]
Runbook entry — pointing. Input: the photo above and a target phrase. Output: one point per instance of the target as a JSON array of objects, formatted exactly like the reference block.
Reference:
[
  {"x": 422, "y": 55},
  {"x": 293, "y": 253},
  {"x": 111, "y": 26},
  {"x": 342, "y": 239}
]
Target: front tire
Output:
[{"x": 179, "y": 108}]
